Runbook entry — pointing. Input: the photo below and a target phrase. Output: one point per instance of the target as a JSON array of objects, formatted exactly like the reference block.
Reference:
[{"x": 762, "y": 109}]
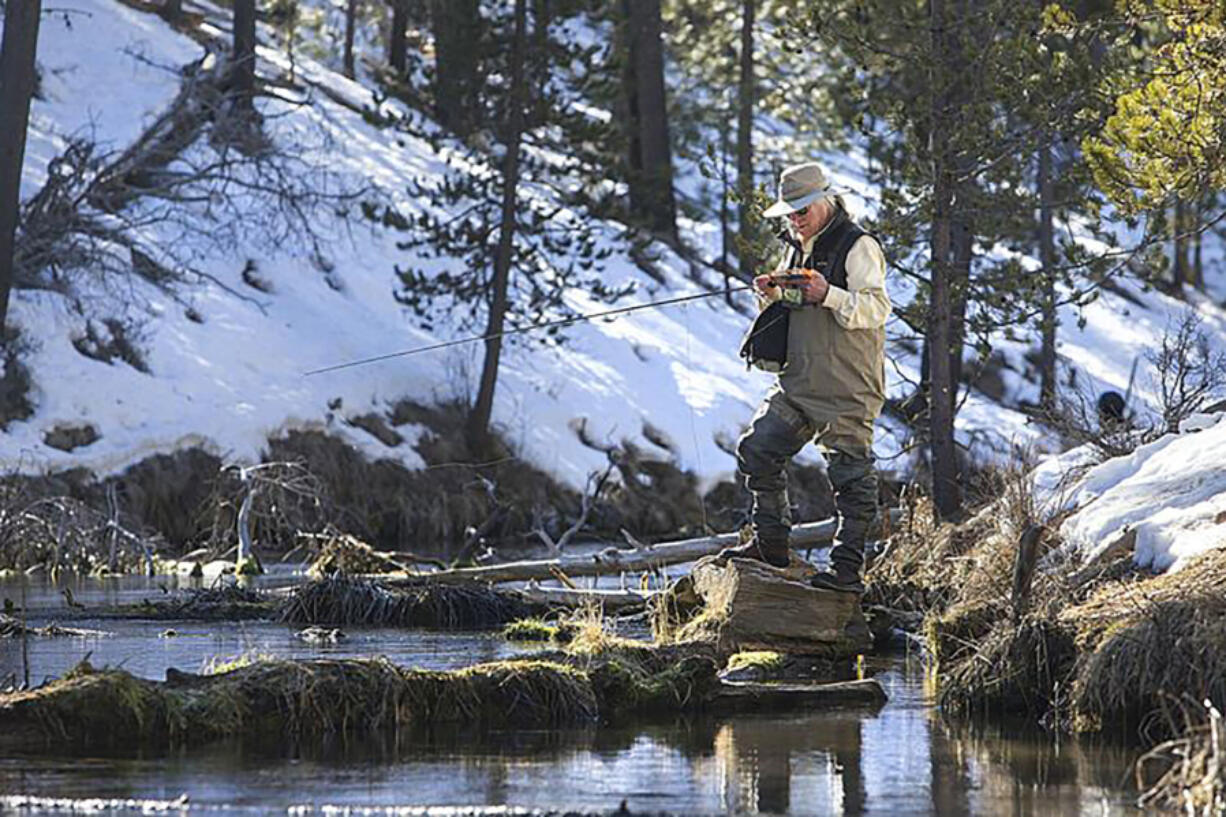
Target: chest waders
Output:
[{"x": 830, "y": 390}]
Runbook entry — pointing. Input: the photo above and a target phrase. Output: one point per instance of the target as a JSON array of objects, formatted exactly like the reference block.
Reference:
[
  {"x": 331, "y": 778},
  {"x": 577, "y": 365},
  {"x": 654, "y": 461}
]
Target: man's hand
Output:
[
  {"x": 764, "y": 285},
  {"x": 815, "y": 287},
  {"x": 811, "y": 285}
]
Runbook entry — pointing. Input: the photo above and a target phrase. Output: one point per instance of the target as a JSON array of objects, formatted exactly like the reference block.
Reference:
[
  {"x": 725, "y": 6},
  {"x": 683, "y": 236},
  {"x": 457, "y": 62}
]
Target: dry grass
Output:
[
  {"x": 409, "y": 603},
  {"x": 1011, "y": 669},
  {"x": 590, "y": 634},
  {"x": 1145, "y": 642},
  {"x": 1097, "y": 650}
]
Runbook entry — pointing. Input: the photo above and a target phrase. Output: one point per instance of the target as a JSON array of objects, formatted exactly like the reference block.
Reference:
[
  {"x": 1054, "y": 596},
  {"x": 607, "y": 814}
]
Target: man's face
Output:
[{"x": 808, "y": 221}]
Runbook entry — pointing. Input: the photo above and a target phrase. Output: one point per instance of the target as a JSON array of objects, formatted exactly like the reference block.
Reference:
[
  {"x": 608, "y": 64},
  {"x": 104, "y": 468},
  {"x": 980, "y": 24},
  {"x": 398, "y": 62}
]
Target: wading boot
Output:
[
  {"x": 774, "y": 554},
  {"x": 839, "y": 581}
]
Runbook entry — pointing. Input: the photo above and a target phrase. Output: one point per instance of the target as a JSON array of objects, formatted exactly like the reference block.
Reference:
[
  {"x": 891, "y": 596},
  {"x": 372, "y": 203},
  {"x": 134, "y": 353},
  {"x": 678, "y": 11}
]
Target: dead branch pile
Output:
[
  {"x": 348, "y": 555},
  {"x": 408, "y": 603},
  {"x": 223, "y": 603},
  {"x": 63, "y": 533},
  {"x": 13, "y": 628}
]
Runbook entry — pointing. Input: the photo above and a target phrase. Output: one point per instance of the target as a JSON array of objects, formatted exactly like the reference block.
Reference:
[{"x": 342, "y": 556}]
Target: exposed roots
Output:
[
  {"x": 1187, "y": 775},
  {"x": 408, "y": 603}
]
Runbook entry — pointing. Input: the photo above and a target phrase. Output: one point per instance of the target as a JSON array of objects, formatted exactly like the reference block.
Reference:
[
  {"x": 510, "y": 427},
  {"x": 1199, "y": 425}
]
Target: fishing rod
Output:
[{"x": 532, "y": 328}]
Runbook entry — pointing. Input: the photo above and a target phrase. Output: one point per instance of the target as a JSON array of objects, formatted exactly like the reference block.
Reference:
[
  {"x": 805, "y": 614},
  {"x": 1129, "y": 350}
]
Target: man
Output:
[{"x": 832, "y": 386}]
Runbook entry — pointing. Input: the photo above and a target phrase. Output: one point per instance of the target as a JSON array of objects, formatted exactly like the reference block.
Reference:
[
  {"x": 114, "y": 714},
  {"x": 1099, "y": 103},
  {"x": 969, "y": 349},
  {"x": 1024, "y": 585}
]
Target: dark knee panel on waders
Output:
[
  {"x": 762, "y": 454},
  {"x": 854, "y": 479}
]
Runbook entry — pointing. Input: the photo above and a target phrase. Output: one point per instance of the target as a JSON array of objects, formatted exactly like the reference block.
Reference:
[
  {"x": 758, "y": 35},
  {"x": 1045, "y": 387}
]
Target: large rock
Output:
[{"x": 749, "y": 605}]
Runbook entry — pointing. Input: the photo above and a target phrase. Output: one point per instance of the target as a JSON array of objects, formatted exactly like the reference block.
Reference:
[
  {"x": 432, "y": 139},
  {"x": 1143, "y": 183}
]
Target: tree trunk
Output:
[
  {"x": 17, "y": 50},
  {"x": 650, "y": 173},
  {"x": 395, "y": 45},
  {"x": 1178, "y": 231},
  {"x": 171, "y": 10},
  {"x": 946, "y": 492},
  {"x": 479, "y": 420},
  {"x": 351, "y": 18},
  {"x": 1047, "y": 257},
  {"x": 725, "y": 216},
  {"x": 457, "y": 31},
  {"x": 539, "y": 68},
  {"x": 744, "y": 142},
  {"x": 962, "y": 248},
  {"x": 243, "y": 76},
  {"x": 1198, "y": 228}
]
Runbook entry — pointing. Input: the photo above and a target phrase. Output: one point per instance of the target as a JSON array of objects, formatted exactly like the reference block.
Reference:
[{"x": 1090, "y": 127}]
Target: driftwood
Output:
[
  {"x": 618, "y": 560},
  {"x": 755, "y": 696}
]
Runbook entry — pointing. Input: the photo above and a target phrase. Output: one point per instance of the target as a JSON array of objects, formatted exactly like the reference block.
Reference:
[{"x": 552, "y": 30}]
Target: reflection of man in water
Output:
[{"x": 766, "y": 752}]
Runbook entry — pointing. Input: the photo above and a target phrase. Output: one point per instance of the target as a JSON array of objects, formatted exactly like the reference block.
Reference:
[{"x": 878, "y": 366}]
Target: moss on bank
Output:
[
  {"x": 296, "y": 698},
  {"x": 309, "y": 699}
]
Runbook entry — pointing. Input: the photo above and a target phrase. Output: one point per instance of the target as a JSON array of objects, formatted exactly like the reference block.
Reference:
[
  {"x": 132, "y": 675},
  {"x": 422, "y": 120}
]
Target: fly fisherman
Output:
[{"x": 822, "y": 329}]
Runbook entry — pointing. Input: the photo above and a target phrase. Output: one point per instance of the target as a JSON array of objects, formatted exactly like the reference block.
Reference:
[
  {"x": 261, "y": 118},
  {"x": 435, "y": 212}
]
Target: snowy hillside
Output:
[{"x": 228, "y": 372}]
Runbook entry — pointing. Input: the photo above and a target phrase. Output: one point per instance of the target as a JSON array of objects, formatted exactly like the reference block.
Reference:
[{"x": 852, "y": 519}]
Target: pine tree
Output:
[
  {"x": 395, "y": 44},
  {"x": 242, "y": 78},
  {"x": 495, "y": 252},
  {"x": 649, "y": 164},
  {"x": 458, "y": 40},
  {"x": 1167, "y": 136},
  {"x": 954, "y": 101}
]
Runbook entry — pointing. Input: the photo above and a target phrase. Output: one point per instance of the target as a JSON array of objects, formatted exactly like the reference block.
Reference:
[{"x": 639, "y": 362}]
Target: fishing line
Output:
[
  {"x": 689, "y": 363},
  {"x": 532, "y": 328}
]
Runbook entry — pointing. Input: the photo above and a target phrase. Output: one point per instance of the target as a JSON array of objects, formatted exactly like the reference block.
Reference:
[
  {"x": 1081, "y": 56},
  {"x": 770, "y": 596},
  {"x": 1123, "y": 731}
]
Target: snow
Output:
[
  {"x": 106, "y": 70},
  {"x": 236, "y": 379},
  {"x": 1171, "y": 492}
]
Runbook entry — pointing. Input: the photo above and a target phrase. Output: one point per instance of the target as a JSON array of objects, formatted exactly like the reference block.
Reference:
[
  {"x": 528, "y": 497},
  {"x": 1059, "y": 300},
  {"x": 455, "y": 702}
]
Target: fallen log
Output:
[
  {"x": 578, "y": 597},
  {"x": 749, "y": 695},
  {"x": 749, "y": 605},
  {"x": 614, "y": 560}
]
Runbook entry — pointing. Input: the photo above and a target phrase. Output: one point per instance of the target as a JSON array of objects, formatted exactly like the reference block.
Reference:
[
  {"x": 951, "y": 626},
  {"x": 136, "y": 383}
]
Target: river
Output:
[{"x": 902, "y": 760}]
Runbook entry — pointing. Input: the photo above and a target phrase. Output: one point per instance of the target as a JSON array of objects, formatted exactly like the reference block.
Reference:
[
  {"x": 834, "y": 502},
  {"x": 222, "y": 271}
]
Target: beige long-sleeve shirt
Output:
[{"x": 864, "y": 304}]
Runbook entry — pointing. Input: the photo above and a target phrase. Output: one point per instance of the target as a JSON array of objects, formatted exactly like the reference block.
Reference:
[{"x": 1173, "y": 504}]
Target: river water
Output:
[{"x": 902, "y": 760}]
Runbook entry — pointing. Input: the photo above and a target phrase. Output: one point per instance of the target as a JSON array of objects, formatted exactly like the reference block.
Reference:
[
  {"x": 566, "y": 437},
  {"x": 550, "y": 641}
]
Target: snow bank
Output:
[{"x": 1172, "y": 493}]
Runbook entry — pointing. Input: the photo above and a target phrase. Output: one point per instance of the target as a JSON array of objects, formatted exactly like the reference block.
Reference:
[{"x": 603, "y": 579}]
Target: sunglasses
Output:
[{"x": 802, "y": 212}]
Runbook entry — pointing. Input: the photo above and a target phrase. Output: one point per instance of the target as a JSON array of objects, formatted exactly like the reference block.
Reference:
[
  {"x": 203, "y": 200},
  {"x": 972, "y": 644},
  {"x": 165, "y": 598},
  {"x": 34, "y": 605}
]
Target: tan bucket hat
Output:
[{"x": 799, "y": 186}]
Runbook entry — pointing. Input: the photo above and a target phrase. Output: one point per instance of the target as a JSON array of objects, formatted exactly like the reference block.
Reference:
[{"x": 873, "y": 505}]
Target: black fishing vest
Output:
[{"x": 829, "y": 252}]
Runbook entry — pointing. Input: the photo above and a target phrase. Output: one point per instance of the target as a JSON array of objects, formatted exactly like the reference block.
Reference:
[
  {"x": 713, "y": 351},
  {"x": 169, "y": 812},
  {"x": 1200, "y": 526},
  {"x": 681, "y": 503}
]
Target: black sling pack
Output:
[{"x": 766, "y": 343}]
